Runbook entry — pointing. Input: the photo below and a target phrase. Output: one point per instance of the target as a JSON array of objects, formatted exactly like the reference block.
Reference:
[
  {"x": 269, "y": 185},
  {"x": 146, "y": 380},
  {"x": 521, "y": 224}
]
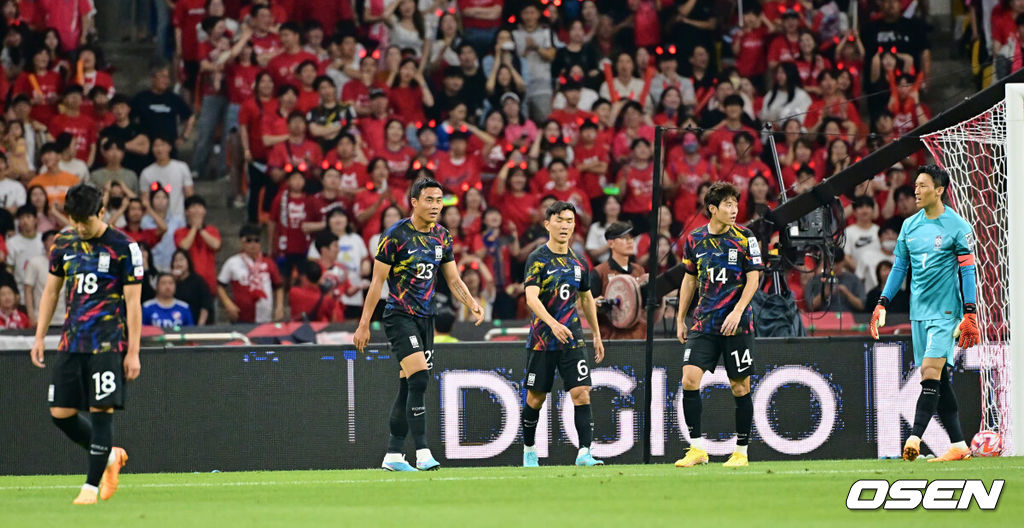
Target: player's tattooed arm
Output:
[{"x": 460, "y": 291}]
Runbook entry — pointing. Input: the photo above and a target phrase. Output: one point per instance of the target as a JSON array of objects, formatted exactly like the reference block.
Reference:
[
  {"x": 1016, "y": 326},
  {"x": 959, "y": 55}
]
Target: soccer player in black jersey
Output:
[
  {"x": 555, "y": 279},
  {"x": 409, "y": 255},
  {"x": 99, "y": 348},
  {"x": 724, "y": 261}
]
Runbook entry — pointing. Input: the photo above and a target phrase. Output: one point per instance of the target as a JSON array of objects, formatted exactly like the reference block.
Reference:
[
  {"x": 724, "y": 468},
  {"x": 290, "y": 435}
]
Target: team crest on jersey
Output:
[
  {"x": 577, "y": 272},
  {"x": 103, "y": 265},
  {"x": 969, "y": 240},
  {"x": 437, "y": 252},
  {"x": 414, "y": 341},
  {"x": 938, "y": 241},
  {"x": 734, "y": 256}
]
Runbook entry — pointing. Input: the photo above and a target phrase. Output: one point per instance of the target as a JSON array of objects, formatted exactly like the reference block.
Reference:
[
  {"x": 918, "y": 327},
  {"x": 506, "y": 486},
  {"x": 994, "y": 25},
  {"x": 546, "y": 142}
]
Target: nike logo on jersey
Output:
[
  {"x": 69, "y": 257},
  {"x": 581, "y": 378},
  {"x": 699, "y": 255},
  {"x": 101, "y": 396},
  {"x": 414, "y": 413},
  {"x": 552, "y": 271}
]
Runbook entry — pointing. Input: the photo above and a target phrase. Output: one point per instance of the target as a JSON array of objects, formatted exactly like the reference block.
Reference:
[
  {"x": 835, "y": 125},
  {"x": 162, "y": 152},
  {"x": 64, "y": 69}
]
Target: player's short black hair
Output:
[
  {"x": 939, "y": 176},
  {"x": 718, "y": 193},
  {"x": 443, "y": 321},
  {"x": 732, "y": 100},
  {"x": 556, "y": 209},
  {"x": 25, "y": 210},
  {"x": 195, "y": 199},
  {"x": 903, "y": 191},
  {"x": 558, "y": 161},
  {"x": 311, "y": 270},
  {"x": 422, "y": 184},
  {"x": 49, "y": 147},
  {"x": 863, "y": 201},
  {"x": 743, "y": 134},
  {"x": 322, "y": 79},
  {"x": 324, "y": 239},
  {"x": 249, "y": 230},
  {"x": 83, "y": 201}
]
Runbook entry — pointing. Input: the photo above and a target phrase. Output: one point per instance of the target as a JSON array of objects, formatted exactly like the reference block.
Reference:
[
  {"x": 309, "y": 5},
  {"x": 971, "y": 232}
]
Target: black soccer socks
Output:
[
  {"x": 530, "y": 417},
  {"x": 744, "y": 417},
  {"x": 397, "y": 421},
  {"x": 416, "y": 412},
  {"x": 691, "y": 412},
  {"x": 948, "y": 408},
  {"x": 927, "y": 402},
  {"x": 77, "y": 428},
  {"x": 584, "y": 418},
  {"x": 99, "y": 446}
]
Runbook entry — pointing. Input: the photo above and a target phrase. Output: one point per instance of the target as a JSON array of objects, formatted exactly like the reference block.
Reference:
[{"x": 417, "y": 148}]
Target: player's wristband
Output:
[
  {"x": 883, "y": 302},
  {"x": 970, "y": 308}
]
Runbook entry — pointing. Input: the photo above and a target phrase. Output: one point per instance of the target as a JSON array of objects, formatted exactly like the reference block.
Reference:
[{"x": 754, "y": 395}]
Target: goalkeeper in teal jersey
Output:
[{"x": 937, "y": 245}]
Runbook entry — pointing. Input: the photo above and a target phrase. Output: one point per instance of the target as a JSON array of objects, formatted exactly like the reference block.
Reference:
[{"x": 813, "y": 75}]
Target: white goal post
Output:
[
  {"x": 1014, "y": 104},
  {"x": 984, "y": 156}
]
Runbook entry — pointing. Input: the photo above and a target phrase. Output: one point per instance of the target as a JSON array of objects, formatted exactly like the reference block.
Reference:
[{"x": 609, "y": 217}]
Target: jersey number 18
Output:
[{"x": 86, "y": 283}]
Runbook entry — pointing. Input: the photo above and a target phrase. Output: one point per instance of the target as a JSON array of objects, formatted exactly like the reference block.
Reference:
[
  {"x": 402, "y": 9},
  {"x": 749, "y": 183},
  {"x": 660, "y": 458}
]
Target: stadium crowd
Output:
[{"x": 319, "y": 114}]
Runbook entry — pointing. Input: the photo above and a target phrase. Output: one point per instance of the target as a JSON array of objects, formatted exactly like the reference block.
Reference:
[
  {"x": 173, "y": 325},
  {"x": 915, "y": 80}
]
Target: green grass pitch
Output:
[{"x": 790, "y": 494}]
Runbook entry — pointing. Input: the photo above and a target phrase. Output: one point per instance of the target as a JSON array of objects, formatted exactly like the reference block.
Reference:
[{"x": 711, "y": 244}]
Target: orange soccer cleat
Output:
[
  {"x": 86, "y": 496},
  {"x": 108, "y": 484},
  {"x": 953, "y": 454},
  {"x": 911, "y": 449}
]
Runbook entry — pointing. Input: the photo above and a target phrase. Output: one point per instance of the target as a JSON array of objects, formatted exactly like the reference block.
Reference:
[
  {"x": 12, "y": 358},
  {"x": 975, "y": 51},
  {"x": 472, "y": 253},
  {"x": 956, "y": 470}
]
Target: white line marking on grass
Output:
[{"x": 674, "y": 474}]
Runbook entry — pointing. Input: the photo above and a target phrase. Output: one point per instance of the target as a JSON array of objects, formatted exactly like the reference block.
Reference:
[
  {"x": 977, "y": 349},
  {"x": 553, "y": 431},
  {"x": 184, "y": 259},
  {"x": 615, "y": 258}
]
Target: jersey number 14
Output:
[{"x": 717, "y": 277}]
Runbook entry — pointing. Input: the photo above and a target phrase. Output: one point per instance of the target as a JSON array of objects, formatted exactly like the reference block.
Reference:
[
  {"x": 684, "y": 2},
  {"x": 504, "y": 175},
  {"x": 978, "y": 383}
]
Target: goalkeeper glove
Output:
[
  {"x": 968, "y": 330},
  {"x": 878, "y": 317}
]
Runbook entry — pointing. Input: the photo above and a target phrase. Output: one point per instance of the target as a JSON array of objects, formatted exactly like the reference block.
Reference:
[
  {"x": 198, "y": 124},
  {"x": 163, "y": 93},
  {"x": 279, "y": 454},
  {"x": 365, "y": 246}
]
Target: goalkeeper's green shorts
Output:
[{"x": 934, "y": 339}]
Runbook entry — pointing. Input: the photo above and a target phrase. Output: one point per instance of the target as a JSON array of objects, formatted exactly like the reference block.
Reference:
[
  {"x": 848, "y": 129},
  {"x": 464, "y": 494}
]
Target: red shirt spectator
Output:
[
  {"x": 784, "y": 49},
  {"x": 687, "y": 173},
  {"x": 304, "y": 297},
  {"x": 252, "y": 282},
  {"x": 146, "y": 236},
  {"x": 750, "y": 61},
  {"x": 286, "y": 152},
  {"x": 265, "y": 45},
  {"x": 82, "y": 127},
  {"x": 66, "y": 16},
  {"x": 399, "y": 161},
  {"x": 14, "y": 320},
  {"x": 739, "y": 173},
  {"x": 592, "y": 155},
  {"x": 187, "y": 16},
  {"x": 282, "y": 67},
  {"x": 290, "y": 210},
  {"x": 471, "y": 16},
  {"x": 365, "y": 201},
  {"x": 406, "y": 102},
  {"x": 720, "y": 145},
  {"x": 241, "y": 82},
  {"x": 638, "y": 184},
  {"x": 203, "y": 256},
  {"x": 279, "y": 13},
  {"x": 251, "y": 115},
  {"x": 42, "y": 88},
  {"x": 571, "y": 119}
]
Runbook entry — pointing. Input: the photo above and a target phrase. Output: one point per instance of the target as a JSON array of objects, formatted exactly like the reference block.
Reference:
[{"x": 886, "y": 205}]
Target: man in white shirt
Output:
[
  {"x": 12, "y": 192},
  {"x": 869, "y": 259},
  {"x": 169, "y": 174},
  {"x": 862, "y": 236},
  {"x": 36, "y": 272},
  {"x": 23, "y": 246},
  {"x": 536, "y": 45}
]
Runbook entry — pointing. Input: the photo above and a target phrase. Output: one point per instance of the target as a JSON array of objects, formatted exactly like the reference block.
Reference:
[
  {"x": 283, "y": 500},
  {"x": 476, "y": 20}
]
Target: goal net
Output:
[{"x": 974, "y": 153}]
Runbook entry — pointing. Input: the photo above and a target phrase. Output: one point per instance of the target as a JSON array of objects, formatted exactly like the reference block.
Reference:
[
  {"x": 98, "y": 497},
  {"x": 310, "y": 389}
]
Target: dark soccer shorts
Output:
[
  {"x": 571, "y": 364},
  {"x": 703, "y": 350},
  {"x": 408, "y": 335},
  {"x": 81, "y": 381}
]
